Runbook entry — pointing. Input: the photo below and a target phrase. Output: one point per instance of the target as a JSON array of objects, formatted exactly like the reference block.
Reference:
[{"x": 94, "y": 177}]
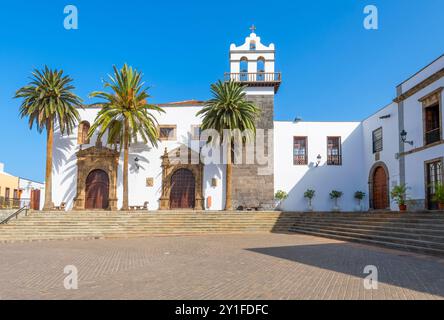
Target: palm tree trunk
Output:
[
  {"x": 48, "y": 205},
  {"x": 228, "y": 201},
  {"x": 125, "y": 205}
]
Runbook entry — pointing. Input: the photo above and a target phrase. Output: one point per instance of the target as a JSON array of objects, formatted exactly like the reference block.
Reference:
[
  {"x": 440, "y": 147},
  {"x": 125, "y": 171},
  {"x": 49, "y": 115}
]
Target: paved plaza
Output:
[{"x": 247, "y": 266}]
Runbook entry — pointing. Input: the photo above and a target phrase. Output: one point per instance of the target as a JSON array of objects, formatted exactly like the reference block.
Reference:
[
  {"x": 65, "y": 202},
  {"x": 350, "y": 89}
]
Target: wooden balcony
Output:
[{"x": 256, "y": 79}]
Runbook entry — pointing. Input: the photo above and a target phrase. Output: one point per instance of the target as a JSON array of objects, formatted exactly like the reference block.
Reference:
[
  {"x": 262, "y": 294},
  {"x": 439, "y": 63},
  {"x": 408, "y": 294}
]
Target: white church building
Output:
[{"x": 370, "y": 156}]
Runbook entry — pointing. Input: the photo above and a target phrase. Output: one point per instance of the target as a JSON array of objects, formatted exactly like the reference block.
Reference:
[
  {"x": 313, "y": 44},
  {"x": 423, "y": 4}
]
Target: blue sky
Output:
[{"x": 333, "y": 68}]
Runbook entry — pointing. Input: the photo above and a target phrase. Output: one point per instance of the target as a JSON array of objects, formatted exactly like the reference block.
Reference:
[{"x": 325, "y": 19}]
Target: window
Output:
[
  {"x": 260, "y": 69},
  {"x": 377, "y": 140},
  {"x": 167, "y": 132},
  {"x": 243, "y": 69},
  {"x": 82, "y": 137},
  {"x": 252, "y": 45},
  {"x": 432, "y": 130},
  {"x": 7, "y": 193},
  {"x": 195, "y": 132},
  {"x": 334, "y": 156},
  {"x": 300, "y": 151}
]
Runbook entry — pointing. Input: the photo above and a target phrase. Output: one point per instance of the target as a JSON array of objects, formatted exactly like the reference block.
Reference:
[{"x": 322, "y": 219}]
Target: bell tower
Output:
[{"x": 253, "y": 65}]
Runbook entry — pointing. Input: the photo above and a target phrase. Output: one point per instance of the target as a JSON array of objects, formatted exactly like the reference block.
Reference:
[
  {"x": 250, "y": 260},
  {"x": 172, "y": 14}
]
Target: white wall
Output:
[
  {"x": 414, "y": 126},
  {"x": 28, "y": 185},
  {"x": 65, "y": 169},
  {"x": 390, "y": 140},
  {"x": 295, "y": 179}
]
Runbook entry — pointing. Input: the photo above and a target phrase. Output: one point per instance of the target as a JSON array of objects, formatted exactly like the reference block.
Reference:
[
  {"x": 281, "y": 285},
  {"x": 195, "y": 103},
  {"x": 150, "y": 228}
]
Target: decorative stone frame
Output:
[
  {"x": 433, "y": 98},
  {"x": 170, "y": 167},
  {"x": 371, "y": 182},
  {"x": 94, "y": 158},
  {"x": 426, "y": 163},
  {"x": 172, "y": 137}
]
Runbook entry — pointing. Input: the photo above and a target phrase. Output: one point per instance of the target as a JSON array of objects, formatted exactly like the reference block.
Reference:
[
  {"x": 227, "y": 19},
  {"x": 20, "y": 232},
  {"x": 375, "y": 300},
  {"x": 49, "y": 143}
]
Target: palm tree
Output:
[
  {"x": 229, "y": 110},
  {"x": 47, "y": 99},
  {"x": 125, "y": 115}
]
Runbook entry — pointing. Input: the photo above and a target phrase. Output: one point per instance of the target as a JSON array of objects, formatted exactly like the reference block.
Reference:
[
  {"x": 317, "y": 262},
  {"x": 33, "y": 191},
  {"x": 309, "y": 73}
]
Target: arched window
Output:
[
  {"x": 243, "y": 68},
  {"x": 82, "y": 137},
  {"x": 252, "y": 45},
  {"x": 260, "y": 69}
]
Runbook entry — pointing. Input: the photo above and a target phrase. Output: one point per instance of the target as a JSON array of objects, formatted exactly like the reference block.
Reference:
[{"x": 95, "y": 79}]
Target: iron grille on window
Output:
[
  {"x": 377, "y": 140},
  {"x": 300, "y": 151},
  {"x": 334, "y": 156}
]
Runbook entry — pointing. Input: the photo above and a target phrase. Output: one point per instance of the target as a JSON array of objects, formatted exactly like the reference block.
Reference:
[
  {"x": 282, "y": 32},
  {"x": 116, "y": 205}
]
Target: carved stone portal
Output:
[
  {"x": 181, "y": 158},
  {"x": 96, "y": 158}
]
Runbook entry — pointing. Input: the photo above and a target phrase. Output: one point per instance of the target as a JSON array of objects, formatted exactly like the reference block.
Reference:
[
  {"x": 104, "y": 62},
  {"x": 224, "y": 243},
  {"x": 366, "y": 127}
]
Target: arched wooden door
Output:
[
  {"x": 380, "y": 189},
  {"x": 182, "y": 194},
  {"x": 97, "y": 190}
]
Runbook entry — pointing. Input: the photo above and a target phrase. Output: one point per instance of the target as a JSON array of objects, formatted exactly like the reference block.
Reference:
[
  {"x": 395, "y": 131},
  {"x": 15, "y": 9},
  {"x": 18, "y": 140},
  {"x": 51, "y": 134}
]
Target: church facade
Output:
[{"x": 401, "y": 143}]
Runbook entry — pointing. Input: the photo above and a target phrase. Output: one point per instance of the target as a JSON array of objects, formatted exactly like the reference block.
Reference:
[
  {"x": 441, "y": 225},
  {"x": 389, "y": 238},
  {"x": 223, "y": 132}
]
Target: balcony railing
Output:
[
  {"x": 433, "y": 135},
  {"x": 251, "y": 77},
  {"x": 334, "y": 160}
]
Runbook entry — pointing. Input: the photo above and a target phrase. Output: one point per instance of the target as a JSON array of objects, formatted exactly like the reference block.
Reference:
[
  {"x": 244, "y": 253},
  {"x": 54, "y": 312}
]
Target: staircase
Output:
[
  {"x": 416, "y": 232},
  {"x": 102, "y": 224}
]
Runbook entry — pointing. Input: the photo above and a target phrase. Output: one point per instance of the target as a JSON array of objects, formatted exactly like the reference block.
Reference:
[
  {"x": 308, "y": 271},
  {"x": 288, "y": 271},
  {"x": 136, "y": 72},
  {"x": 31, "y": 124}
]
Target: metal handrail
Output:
[{"x": 16, "y": 214}]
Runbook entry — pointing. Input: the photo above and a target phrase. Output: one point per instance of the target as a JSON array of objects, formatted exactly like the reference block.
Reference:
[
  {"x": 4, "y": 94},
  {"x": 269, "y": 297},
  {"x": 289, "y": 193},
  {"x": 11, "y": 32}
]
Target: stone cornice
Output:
[{"x": 434, "y": 77}]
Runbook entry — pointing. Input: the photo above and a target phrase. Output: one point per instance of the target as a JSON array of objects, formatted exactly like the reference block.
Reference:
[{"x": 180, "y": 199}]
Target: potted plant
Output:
[
  {"x": 309, "y": 195},
  {"x": 280, "y": 196},
  {"x": 359, "y": 195},
  {"x": 335, "y": 195},
  {"x": 439, "y": 195},
  {"x": 399, "y": 195}
]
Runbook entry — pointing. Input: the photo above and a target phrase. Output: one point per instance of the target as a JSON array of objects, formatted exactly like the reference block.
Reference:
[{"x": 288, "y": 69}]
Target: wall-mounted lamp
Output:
[
  {"x": 136, "y": 163},
  {"x": 318, "y": 160},
  {"x": 404, "y": 138}
]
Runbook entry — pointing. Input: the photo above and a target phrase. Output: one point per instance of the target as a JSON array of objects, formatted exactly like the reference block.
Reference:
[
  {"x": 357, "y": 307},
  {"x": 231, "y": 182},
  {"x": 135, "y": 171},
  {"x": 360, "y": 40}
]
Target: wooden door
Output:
[
  {"x": 380, "y": 189},
  {"x": 97, "y": 190},
  {"x": 35, "y": 199},
  {"x": 182, "y": 194}
]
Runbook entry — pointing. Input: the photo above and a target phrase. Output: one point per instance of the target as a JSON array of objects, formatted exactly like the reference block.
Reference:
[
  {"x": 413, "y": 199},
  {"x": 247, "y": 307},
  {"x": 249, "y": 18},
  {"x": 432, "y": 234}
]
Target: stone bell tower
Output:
[{"x": 252, "y": 64}]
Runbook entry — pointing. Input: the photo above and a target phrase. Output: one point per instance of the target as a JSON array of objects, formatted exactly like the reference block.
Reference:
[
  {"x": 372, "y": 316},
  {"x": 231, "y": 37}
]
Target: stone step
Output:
[
  {"x": 380, "y": 243},
  {"x": 417, "y": 229},
  {"x": 398, "y": 233},
  {"x": 371, "y": 237}
]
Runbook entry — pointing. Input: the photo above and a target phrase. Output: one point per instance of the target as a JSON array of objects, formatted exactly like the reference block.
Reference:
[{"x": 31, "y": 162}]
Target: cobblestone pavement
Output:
[{"x": 250, "y": 266}]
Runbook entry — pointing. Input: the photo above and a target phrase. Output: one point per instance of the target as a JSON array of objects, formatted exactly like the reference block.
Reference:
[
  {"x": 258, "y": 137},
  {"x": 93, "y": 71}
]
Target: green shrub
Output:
[{"x": 280, "y": 195}]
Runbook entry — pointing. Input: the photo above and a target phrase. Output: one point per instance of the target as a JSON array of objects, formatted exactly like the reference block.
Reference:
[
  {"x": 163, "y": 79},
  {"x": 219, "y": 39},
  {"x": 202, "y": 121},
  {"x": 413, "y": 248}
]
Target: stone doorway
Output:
[
  {"x": 182, "y": 178},
  {"x": 97, "y": 190},
  {"x": 97, "y": 168}
]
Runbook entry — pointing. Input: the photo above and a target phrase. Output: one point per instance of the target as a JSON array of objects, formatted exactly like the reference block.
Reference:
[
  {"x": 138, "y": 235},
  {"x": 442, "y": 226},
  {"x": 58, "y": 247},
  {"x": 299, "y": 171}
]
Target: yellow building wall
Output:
[{"x": 7, "y": 181}]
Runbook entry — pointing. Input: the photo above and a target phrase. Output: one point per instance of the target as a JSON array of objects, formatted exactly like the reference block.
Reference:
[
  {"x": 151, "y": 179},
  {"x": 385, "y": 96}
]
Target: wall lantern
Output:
[
  {"x": 136, "y": 163},
  {"x": 318, "y": 160},
  {"x": 404, "y": 138}
]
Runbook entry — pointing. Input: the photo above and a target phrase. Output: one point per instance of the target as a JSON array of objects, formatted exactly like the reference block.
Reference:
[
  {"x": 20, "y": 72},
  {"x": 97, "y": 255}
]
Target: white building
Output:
[{"x": 369, "y": 156}]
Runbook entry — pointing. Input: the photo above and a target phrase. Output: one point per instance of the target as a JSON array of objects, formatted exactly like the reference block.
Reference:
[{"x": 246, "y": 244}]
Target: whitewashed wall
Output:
[
  {"x": 390, "y": 140},
  {"x": 28, "y": 185},
  {"x": 414, "y": 126},
  {"x": 65, "y": 169},
  {"x": 295, "y": 179}
]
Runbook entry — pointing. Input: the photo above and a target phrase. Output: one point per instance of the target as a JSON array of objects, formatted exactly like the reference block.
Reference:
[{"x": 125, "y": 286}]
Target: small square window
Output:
[{"x": 167, "y": 132}]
